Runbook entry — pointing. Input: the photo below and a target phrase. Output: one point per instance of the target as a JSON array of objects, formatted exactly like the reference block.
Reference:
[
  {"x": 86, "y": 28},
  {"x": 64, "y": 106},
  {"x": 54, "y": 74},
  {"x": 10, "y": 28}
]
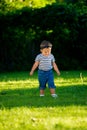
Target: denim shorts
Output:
[{"x": 46, "y": 77}]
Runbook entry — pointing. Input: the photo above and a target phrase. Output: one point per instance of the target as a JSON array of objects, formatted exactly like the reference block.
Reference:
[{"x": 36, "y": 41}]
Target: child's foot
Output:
[
  {"x": 54, "y": 95},
  {"x": 41, "y": 95}
]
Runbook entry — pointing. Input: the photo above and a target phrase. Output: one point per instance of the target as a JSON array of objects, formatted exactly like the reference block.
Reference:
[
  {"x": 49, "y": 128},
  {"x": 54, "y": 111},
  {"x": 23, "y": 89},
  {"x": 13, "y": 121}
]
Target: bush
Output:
[{"x": 65, "y": 25}]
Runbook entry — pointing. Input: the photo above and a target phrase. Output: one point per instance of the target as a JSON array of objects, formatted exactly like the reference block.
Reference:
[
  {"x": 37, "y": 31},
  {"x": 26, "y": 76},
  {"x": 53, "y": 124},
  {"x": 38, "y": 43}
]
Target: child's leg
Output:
[
  {"x": 51, "y": 84},
  {"x": 42, "y": 81},
  {"x": 41, "y": 92},
  {"x": 52, "y": 90}
]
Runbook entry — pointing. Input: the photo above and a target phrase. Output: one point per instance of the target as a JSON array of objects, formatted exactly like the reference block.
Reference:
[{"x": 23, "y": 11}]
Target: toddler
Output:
[{"x": 45, "y": 61}]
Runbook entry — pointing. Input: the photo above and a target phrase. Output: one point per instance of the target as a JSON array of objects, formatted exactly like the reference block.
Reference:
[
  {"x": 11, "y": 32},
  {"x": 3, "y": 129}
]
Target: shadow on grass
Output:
[{"x": 71, "y": 95}]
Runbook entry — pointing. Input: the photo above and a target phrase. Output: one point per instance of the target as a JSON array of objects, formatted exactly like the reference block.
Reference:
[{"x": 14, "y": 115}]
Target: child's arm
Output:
[
  {"x": 56, "y": 68},
  {"x": 35, "y": 65}
]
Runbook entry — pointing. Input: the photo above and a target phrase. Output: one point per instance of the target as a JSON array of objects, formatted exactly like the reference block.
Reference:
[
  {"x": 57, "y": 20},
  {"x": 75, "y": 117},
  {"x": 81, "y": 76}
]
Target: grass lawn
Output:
[{"x": 21, "y": 108}]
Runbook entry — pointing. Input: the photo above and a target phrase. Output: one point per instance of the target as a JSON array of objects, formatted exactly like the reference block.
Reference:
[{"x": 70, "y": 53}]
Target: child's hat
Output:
[{"x": 45, "y": 44}]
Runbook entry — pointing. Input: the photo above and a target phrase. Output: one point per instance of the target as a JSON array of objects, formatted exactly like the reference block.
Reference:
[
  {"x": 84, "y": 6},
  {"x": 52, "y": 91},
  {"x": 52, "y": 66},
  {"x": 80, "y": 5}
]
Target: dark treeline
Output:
[{"x": 21, "y": 32}]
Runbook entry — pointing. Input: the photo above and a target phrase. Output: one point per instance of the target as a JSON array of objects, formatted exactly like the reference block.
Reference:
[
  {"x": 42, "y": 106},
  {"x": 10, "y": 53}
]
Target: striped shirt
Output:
[{"x": 45, "y": 62}]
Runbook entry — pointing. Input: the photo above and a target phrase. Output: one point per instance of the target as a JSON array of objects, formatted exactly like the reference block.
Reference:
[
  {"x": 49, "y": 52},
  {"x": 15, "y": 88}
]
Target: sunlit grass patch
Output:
[{"x": 44, "y": 118}]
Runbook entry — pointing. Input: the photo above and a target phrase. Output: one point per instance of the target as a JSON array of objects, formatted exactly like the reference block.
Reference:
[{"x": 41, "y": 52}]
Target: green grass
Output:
[{"x": 21, "y": 108}]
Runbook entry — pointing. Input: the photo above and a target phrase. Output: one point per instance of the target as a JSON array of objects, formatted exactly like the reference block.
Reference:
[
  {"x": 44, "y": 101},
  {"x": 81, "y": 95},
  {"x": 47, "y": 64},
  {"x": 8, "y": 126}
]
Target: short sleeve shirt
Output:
[{"x": 45, "y": 62}]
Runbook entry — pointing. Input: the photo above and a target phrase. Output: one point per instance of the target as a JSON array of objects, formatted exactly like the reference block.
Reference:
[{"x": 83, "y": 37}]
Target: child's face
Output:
[{"x": 46, "y": 51}]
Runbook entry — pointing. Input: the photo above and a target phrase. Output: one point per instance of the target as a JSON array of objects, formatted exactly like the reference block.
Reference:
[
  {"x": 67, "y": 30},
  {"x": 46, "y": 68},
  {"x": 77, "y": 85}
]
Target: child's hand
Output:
[
  {"x": 31, "y": 73},
  {"x": 58, "y": 73}
]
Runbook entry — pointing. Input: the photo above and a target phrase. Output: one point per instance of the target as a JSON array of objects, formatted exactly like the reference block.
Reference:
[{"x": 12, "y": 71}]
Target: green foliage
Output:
[{"x": 23, "y": 27}]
